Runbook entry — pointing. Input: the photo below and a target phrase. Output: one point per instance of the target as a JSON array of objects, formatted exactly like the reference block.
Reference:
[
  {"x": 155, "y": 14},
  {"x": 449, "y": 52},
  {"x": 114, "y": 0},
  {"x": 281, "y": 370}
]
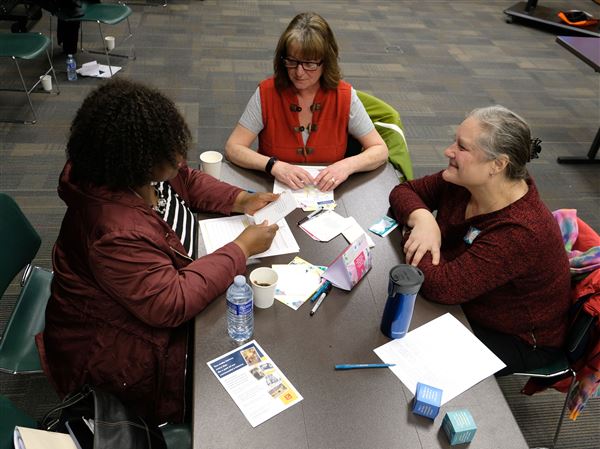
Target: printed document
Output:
[
  {"x": 217, "y": 232},
  {"x": 254, "y": 382},
  {"x": 309, "y": 198},
  {"x": 442, "y": 353},
  {"x": 277, "y": 210}
]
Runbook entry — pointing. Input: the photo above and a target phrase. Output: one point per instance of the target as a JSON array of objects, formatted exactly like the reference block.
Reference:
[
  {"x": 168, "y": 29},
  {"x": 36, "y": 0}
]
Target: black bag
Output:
[{"x": 115, "y": 427}]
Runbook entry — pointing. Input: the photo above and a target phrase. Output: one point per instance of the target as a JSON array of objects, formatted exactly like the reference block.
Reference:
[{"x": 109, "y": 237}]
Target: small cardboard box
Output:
[
  {"x": 427, "y": 401},
  {"x": 459, "y": 426}
]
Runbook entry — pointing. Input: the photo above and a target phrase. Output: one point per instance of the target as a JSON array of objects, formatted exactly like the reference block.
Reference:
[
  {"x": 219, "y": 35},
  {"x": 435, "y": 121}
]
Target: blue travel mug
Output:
[{"x": 405, "y": 282}]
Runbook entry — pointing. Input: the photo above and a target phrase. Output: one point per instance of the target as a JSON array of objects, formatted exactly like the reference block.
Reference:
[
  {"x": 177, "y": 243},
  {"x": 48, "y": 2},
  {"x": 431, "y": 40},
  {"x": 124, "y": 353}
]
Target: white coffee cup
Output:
[
  {"x": 263, "y": 281},
  {"x": 109, "y": 41},
  {"x": 46, "y": 82},
  {"x": 211, "y": 163}
]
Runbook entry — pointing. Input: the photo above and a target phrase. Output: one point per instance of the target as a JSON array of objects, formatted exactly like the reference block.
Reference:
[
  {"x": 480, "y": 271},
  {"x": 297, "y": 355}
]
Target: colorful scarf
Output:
[{"x": 580, "y": 261}]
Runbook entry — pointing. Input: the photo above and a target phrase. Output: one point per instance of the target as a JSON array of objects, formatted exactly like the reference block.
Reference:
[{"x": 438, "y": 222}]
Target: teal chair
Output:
[
  {"x": 20, "y": 243},
  {"x": 107, "y": 14},
  {"x": 177, "y": 436},
  {"x": 26, "y": 46},
  {"x": 11, "y": 416}
]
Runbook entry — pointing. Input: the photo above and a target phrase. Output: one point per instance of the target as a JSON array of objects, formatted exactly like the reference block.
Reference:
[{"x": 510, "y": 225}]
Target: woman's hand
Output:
[
  {"x": 331, "y": 177},
  {"x": 425, "y": 236},
  {"x": 291, "y": 175},
  {"x": 256, "y": 239},
  {"x": 248, "y": 203}
]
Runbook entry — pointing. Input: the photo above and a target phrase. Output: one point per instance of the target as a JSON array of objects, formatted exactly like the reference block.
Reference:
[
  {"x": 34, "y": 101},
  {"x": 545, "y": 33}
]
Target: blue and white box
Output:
[
  {"x": 427, "y": 401},
  {"x": 459, "y": 426}
]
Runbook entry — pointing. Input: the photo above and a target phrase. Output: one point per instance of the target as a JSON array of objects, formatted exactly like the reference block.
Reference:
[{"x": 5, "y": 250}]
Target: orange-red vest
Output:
[{"x": 282, "y": 133}]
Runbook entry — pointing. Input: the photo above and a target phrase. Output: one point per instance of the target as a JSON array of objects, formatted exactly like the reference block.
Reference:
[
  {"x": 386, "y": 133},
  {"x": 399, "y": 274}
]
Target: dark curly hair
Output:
[{"x": 121, "y": 132}]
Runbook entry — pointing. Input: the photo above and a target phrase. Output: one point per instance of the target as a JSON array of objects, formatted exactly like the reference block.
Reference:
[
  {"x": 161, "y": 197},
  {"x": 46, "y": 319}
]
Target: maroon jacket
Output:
[
  {"x": 514, "y": 276},
  {"x": 124, "y": 290}
]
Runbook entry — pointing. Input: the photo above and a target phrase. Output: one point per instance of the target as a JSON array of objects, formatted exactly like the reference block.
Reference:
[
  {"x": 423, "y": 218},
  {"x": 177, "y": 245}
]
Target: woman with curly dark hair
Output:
[{"x": 126, "y": 278}]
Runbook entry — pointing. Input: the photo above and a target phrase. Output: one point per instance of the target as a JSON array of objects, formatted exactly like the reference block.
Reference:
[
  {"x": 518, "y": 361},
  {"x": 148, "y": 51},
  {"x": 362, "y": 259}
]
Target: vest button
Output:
[
  {"x": 310, "y": 150},
  {"x": 299, "y": 150}
]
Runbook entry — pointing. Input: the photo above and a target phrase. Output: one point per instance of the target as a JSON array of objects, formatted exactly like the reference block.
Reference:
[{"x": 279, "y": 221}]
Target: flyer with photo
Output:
[{"x": 254, "y": 382}]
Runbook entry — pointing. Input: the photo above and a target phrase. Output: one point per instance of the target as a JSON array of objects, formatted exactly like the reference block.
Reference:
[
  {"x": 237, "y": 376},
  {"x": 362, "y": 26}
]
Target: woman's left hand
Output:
[
  {"x": 331, "y": 177},
  {"x": 249, "y": 203}
]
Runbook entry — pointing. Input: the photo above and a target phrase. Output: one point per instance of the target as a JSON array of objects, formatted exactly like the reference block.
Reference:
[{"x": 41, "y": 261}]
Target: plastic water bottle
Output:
[
  {"x": 71, "y": 67},
  {"x": 240, "y": 310}
]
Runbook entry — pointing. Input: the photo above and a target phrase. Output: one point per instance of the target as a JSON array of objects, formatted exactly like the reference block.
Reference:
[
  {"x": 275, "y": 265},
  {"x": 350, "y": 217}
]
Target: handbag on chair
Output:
[{"x": 111, "y": 424}]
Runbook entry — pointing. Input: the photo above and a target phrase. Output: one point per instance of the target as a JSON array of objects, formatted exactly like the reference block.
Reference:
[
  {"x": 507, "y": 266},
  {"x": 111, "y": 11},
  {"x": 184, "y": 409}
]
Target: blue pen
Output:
[
  {"x": 364, "y": 365},
  {"x": 324, "y": 285}
]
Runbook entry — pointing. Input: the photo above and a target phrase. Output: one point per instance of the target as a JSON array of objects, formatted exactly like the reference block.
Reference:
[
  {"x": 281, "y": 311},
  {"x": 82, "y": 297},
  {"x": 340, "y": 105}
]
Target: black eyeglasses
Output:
[{"x": 309, "y": 66}]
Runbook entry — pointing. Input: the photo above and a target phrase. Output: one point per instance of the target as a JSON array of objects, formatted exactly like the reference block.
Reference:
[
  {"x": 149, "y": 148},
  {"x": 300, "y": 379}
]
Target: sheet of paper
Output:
[
  {"x": 96, "y": 70},
  {"x": 354, "y": 231},
  {"x": 296, "y": 283},
  {"x": 325, "y": 226},
  {"x": 217, "y": 232},
  {"x": 254, "y": 382},
  {"x": 277, "y": 210},
  {"x": 26, "y": 438},
  {"x": 309, "y": 198},
  {"x": 442, "y": 353}
]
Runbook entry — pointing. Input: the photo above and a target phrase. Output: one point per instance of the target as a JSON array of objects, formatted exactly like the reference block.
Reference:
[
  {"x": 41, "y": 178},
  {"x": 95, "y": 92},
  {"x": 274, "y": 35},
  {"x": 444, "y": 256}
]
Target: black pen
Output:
[{"x": 311, "y": 215}]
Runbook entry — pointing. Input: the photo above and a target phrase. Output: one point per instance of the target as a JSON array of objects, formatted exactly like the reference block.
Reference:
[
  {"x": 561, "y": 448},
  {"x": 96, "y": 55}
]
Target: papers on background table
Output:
[
  {"x": 217, "y": 232},
  {"x": 325, "y": 226},
  {"x": 97, "y": 70},
  {"x": 442, "y": 353},
  {"x": 297, "y": 282},
  {"x": 277, "y": 210},
  {"x": 309, "y": 198},
  {"x": 254, "y": 382}
]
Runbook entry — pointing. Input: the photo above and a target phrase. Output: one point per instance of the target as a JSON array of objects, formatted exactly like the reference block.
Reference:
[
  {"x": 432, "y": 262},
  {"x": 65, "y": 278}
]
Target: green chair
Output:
[
  {"x": 26, "y": 46},
  {"x": 107, "y": 14},
  {"x": 20, "y": 243},
  {"x": 11, "y": 417},
  {"x": 388, "y": 124},
  {"x": 177, "y": 436},
  {"x": 578, "y": 340}
]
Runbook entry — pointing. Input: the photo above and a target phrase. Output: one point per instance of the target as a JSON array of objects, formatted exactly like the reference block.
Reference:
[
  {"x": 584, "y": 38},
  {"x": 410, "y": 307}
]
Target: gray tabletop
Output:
[{"x": 341, "y": 409}]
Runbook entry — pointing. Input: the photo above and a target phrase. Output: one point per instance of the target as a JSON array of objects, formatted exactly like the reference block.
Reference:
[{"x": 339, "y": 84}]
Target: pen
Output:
[
  {"x": 364, "y": 365},
  {"x": 309, "y": 216},
  {"x": 324, "y": 284},
  {"x": 320, "y": 300}
]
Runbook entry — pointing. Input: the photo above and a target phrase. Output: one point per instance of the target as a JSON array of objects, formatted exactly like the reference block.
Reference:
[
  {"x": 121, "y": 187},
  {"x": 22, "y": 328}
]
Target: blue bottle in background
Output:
[
  {"x": 71, "y": 68},
  {"x": 404, "y": 284},
  {"x": 240, "y": 310}
]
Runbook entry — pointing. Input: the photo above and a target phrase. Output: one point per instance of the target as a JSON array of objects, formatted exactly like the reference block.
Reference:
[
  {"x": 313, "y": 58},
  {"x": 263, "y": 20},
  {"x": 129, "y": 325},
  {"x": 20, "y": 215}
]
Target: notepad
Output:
[{"x": 278, "y": 209}]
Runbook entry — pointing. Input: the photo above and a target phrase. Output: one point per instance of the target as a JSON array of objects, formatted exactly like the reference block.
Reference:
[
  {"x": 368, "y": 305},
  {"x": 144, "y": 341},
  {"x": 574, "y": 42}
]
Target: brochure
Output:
[
  {"x": 277, "y": 210},
  {"x": 254, "y": 382},
  {"x": 351, "y": 265}
]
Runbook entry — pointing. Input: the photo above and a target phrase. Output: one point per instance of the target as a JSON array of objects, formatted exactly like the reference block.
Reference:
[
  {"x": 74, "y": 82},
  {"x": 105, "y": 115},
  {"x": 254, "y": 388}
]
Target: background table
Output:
[{"x": 341, "y": 409}]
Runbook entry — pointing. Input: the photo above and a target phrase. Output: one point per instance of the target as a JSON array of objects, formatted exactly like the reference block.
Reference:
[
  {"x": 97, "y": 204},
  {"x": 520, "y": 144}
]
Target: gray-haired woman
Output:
[{"x": 493, "y": 246}]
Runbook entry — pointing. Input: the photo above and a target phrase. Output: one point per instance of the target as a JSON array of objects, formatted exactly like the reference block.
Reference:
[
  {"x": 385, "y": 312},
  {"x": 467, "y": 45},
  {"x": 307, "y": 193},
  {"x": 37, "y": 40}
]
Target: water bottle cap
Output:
[
  {"x": 239, "y": 280},
  {"x": 408, "y": 279}
]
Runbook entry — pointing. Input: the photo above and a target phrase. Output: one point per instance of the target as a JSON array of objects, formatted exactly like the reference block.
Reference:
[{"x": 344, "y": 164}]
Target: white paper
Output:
[
  {"x": 254, "y": 382},
  {"x": 354, "y": 231},
  {"x": 309, "y": 198},
  {"x": 296, "y": 283},
  {"x": 442, "y": 353},
  {"x": 276, "y": 210},
  {"x": 97, "y": 70},
  {"x": 325, "y": 226},
  {"x": 27, "y": 438},
  {"x": 217, "y": 232}
]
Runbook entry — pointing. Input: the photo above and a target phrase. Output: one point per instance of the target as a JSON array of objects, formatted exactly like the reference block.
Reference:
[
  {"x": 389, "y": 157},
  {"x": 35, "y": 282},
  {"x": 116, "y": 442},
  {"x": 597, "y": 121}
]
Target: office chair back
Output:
[{"x": 18, "y": 239}]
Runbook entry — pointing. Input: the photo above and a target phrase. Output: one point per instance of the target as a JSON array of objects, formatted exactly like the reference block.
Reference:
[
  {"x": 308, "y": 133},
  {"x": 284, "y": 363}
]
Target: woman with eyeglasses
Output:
[
  {"x": 304, "y": 113},
  {"x": 493, "y": 246}
]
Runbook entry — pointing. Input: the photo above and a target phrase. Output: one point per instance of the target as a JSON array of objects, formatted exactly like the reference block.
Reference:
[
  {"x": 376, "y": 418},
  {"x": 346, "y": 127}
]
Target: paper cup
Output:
[
  {"x": 263, "y": 281},
  {"x": 46, "y": 82},
  {"x": 211, "y": 163},
  {"x": 109, "y": 41}
]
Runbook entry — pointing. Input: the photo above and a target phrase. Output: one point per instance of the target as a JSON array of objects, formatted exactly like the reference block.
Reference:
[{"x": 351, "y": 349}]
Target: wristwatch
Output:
[{"x": 270, "y": 164}]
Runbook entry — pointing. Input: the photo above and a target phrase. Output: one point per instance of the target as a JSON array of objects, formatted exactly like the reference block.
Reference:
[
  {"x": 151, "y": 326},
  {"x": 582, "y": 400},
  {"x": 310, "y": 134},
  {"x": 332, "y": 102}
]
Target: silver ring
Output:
[{"x": 332, "y": 179}]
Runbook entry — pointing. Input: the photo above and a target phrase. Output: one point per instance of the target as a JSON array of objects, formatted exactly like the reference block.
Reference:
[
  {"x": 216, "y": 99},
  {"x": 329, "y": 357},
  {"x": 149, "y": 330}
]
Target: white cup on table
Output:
[
  {"x": 109, "y": 42},
  {"x": 210, "y": 162},
  {"x": 263, "y": 281}
]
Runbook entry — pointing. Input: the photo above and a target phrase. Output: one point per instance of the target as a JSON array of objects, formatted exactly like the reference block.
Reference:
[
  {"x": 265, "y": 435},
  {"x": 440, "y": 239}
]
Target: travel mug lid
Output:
[{"x": 407, "y": 279}]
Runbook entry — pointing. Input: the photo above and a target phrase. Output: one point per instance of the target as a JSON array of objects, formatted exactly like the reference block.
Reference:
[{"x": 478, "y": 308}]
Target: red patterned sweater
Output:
[{"x": 514, "y": 276}]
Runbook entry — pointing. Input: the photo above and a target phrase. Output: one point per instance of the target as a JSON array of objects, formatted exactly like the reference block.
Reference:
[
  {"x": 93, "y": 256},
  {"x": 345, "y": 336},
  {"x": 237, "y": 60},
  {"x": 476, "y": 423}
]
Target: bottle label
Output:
[{"x": 240, "y": 309}]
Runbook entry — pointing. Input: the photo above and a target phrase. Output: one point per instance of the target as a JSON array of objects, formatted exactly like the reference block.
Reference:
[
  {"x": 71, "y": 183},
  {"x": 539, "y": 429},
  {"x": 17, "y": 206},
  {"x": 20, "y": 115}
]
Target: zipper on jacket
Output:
[{"x": 185, "y": 256}]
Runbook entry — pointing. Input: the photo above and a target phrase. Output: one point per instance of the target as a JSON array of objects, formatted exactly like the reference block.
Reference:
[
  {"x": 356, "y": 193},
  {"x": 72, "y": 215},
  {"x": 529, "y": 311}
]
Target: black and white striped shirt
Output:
[{"x": 173, "y": 210}]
